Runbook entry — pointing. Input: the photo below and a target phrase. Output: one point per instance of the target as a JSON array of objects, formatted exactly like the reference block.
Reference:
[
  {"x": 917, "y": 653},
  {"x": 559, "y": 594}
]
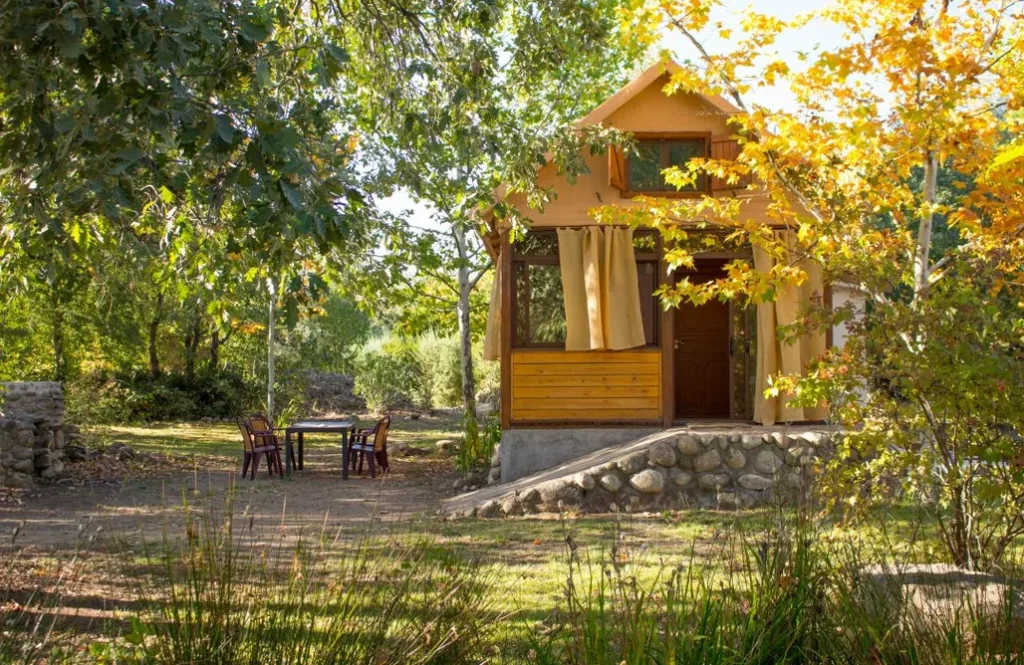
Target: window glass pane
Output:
[
  {"x": 744, "y": 345},
  {"x": 646, "y": 243},
  {"x": 647, "y": 277},
  {"x": 537, "y": 244},
  {"x": 680, "y": 153},
  {"x": 547, "y": 305},
  {"x": 645, "y": 167},
  {"x": 522, "y": 333}
]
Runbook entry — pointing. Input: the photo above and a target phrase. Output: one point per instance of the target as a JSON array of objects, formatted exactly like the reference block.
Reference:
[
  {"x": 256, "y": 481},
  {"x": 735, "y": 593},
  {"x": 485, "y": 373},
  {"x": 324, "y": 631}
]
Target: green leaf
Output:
[
  {"x": 262, "y": 73},
  {"x": 338, "y": 53},
  {"x": 224, "y": 128},
  {"x": 291, "y": 194},
  {"x": 253, "y": 28},
  {"x": 126, "y": 158},
  {"x": 291, "y": 313}
]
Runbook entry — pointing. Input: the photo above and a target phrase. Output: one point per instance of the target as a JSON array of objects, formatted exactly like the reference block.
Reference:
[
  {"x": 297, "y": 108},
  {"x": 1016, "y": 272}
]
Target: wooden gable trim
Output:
[{"x": 641, "y": 82}]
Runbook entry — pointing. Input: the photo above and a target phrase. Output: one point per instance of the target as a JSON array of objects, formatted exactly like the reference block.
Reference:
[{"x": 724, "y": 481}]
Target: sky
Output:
[{"x": 806, "y": 39}]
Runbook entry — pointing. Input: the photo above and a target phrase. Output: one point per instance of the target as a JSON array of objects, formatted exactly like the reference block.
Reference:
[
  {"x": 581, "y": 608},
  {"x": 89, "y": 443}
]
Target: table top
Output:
[{"x": 320, "y": 425}]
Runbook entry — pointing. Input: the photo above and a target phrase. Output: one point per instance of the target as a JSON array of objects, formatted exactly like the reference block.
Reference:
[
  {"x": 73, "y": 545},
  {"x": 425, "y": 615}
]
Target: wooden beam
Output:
[
  {"x": 505, "y": 275},
  {"x": 667, "y": 338},
  {"x": 827, "y": 297}
]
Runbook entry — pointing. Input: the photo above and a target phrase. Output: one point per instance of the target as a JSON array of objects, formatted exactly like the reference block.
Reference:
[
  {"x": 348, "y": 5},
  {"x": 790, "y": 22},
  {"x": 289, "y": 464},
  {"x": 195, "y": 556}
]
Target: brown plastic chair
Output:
[
  {"x": 371, "y": 451},
  {"x": 263, "y": 430},
  {"x": 254, "y": 446}
]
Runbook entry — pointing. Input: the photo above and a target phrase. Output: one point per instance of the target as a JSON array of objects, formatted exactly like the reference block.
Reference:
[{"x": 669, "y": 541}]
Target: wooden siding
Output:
[{"x": 586, "y": 386}]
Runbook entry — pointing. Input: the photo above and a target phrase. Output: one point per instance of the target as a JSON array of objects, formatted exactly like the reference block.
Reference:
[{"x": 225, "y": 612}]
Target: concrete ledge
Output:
[{"x": 527, "y": 451}]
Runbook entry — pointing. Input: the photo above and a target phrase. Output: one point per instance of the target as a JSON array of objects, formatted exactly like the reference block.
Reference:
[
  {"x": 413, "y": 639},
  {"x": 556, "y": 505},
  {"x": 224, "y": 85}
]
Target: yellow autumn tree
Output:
[{"x": 897, "y": 173}]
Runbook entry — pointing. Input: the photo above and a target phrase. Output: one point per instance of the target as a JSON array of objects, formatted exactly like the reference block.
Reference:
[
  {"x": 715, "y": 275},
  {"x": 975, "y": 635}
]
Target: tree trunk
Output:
[
  {"x": 193, "y": 337},
  {"x": 214, "y": 348},
  {"x": 271, "y": 314},
  {"x": 60, "y": 357},
  {"x": 154, "y": 329},
  {"x": 465, "y": 338},
  {"x": 924, "y": 233}
]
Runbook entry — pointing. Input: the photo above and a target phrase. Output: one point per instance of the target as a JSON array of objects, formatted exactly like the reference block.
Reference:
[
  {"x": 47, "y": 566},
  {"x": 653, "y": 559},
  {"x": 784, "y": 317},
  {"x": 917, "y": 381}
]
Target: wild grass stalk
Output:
[
  {"x": 230, "y": 596},
  {"x": 784, "y": 594},
  {"x": 32, "y": 599}
]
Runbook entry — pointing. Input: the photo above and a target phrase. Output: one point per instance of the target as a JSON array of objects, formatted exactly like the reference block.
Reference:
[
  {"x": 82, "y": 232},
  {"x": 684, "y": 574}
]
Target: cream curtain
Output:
[
  {"x": 492, "y": 336},
  {"x": 774, "y": 357},
  {"x": 599, "y": 284}
]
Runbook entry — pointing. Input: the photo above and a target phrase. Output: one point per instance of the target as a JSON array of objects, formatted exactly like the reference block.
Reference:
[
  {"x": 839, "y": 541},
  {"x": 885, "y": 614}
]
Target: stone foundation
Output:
[
  {"x": 732, "y": 467},
  {"x": 31, "y": 432}
]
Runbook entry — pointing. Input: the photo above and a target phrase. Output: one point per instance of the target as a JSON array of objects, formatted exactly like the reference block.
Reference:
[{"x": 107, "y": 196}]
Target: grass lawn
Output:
[
  {"x": 521, "y": 566},
  {"x": 222, "y": 440}
]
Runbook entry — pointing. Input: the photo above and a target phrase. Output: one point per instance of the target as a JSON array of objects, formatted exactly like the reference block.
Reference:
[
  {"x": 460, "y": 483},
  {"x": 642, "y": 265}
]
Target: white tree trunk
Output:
[
  {"x": 270, "y": 350},
  {"x": 465, "y": 339},
  {"x": 924, "y": 234}
]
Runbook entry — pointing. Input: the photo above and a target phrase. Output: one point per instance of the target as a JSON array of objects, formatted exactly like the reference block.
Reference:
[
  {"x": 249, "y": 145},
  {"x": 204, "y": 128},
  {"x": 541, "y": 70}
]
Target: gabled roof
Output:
[{"x": 634, "y": 87}]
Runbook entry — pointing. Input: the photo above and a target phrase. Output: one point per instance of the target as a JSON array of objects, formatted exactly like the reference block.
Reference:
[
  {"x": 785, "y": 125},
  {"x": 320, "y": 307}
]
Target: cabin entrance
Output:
[{"x": 712, "y": 353}]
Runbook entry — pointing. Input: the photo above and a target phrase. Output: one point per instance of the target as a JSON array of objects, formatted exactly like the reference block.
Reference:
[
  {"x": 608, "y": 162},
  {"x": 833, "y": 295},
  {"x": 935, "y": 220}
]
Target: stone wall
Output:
[
  {"x": 731, "y": 468},
  {"x": 31, "y": 432}
]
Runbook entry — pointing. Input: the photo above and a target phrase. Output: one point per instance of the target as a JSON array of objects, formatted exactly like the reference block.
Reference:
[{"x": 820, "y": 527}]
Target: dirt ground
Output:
[{"x": 57, "y": 517}]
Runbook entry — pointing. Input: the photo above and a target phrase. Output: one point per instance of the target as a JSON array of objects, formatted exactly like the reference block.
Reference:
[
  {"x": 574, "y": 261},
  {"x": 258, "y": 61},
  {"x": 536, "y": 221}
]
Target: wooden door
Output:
[{"x": 702, "y": 359}]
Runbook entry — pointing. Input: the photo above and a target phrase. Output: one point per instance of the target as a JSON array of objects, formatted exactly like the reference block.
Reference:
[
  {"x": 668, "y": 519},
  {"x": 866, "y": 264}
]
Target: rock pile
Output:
[
  {"x": 31, "y": 432},
  {"x": 332, "y": 393},
  {"x": 712, "y": 469}
]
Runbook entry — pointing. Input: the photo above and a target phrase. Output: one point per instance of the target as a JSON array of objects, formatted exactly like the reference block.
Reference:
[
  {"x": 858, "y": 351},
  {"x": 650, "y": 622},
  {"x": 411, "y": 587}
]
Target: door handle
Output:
[{"x": 676, "y": 344}]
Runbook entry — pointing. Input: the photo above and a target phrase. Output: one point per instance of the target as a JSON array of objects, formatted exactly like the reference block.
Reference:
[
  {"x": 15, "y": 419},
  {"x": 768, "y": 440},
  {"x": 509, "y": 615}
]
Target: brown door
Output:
[{"x": 702, "y": 358}]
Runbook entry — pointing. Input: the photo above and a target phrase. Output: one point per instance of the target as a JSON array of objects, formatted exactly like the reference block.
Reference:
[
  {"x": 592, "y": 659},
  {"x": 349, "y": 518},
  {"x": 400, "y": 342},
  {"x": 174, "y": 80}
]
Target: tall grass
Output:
[
  {"x": 230, "y": 596},
  {"x": 783, "y": 596},
  {"x": 33, "y": 593},
  {"x": 225, "y": 593}
]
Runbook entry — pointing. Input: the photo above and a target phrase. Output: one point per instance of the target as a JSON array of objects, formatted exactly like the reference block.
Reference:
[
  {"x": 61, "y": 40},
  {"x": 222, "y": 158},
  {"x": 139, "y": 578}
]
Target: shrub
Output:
[
  {"x": 442, "y": 368},
  {"x": 933, "y": 415},
  {"x": 130, "y": 398},
  {"x": 477, "y": 445},
  {"x": 391, "y": 377}
]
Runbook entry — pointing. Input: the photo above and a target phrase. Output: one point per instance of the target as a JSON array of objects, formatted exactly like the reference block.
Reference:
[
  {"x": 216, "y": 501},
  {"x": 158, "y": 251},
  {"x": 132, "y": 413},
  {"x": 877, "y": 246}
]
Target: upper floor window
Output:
[{"x": 641, "y": 170}]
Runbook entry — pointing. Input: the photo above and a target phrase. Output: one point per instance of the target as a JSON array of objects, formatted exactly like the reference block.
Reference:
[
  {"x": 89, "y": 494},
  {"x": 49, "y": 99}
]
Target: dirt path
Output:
[{"x": 56, "y": 517}]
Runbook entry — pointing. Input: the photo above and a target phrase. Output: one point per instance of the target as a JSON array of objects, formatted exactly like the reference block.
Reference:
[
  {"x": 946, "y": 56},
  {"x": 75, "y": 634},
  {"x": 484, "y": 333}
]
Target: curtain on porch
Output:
[
  {"x": 492, "y": 336},
  {"x": 599, "y": 285},
  {"x": 773, "y": 356}
]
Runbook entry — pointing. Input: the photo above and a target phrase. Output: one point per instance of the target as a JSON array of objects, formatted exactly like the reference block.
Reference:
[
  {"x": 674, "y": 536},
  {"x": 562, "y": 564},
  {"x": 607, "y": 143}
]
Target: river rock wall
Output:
[
  {"x": 31, "y": 432},
  {"x": 676, "y": 468}
]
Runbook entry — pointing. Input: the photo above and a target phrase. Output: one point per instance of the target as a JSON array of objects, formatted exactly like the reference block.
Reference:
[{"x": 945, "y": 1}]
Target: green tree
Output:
[
  {"x": 223, "y": 117},
  {"x": 458, "y": 99}
]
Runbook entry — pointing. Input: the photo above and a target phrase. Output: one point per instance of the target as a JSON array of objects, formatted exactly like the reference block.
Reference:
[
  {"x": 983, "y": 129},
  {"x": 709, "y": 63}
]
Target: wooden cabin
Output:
[{"x": 563, "y": 394}]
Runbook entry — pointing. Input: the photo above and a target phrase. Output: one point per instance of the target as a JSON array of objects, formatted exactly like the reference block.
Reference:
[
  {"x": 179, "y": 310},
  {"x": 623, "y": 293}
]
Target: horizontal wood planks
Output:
[{"x": 586, "y": 386}]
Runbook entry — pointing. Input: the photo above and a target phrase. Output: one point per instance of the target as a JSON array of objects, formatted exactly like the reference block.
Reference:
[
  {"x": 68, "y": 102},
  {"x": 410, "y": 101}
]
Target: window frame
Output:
[
  {"x": 523, "y": 261},
  {"x": 664, "y": 138}
]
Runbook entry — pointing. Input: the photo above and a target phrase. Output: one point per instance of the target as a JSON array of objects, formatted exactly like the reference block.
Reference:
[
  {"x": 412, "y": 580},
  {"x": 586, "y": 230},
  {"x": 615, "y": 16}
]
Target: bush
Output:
[
  {"x": 391, "y": 376},
  {"x": 477, "y": 444},
  {"x": 442, "y": 368},
  {"x": 139, "y": 398},
  {"x": 424, "y": 372}
]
